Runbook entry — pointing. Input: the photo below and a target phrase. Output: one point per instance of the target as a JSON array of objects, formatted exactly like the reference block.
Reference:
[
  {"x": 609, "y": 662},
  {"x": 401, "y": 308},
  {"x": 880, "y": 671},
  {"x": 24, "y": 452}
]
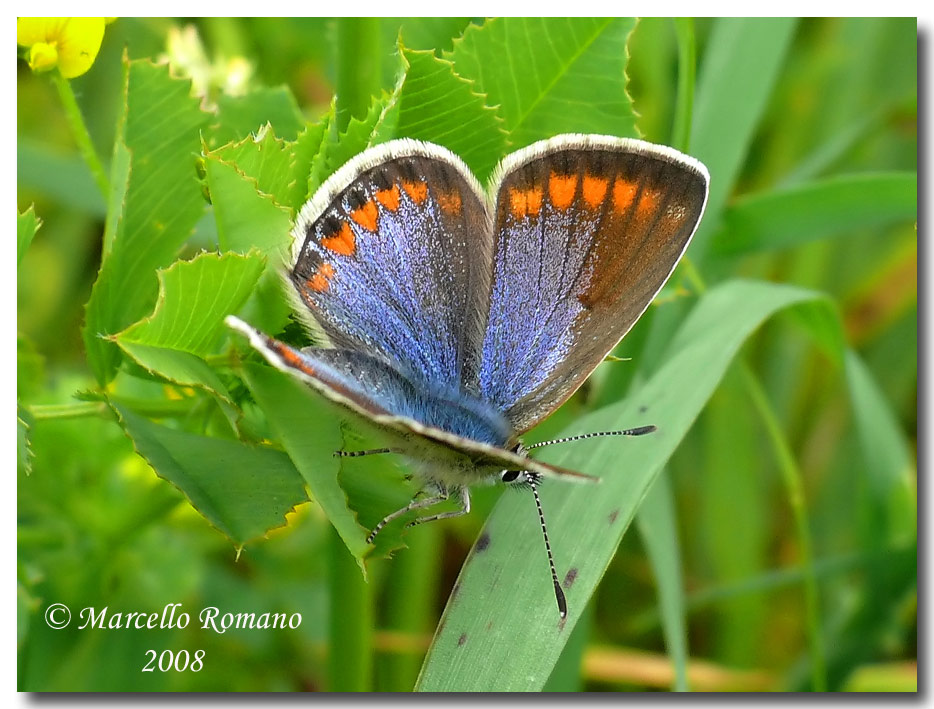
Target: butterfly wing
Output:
[
  {"x": 392, "y": 256},
  {"x": 374, "y": 390},
  {"x": 587, "y": 229}
]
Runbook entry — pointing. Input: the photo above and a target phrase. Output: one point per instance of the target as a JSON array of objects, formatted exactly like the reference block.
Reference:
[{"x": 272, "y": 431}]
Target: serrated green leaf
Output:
[
  {"x": 194, "y": 298},
  {"x": 179, "y": 367},
  {"x": 243, "y": 491},
  {"x": 246, "y": 219},
  {"x": 440, "y": 107},
  {"x": 504, "y": 589},
  {"x": 306, "y": 147},
  {"x": 27, "y": 224},
  {"x": 263, "y": 158},
  {"x": 822, "y": 209},
  {"x": 355, "y": 494},
  {"x": 432, "y": 33},
  {"x": 551, "y": 75},
  {"x": 378, "y": 126},
  {"x": 157, "y": 211},
  {"x": 239, "y": 116},
  {"x": 310, "y": 432}
]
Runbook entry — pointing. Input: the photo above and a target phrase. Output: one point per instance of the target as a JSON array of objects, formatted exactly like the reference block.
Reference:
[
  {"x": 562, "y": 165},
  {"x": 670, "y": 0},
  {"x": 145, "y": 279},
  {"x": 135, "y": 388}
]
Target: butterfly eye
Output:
[{"x": 510, "y": 476}]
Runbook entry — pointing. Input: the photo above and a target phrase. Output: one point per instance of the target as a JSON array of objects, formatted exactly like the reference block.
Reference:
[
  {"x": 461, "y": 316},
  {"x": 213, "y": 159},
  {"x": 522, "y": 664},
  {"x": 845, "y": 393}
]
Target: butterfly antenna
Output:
[
  {"x": 559, "y": 594},
  {"x": 640, "y": 431}
]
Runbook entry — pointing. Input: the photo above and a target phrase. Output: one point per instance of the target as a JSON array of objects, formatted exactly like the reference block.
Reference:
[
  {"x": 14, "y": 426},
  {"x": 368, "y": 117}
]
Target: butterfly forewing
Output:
[
  {"x": 587, "y": 229},
  {"x": 393, "y": 258}
]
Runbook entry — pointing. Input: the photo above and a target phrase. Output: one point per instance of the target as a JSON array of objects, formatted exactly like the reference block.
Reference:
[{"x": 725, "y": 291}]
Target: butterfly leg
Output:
[
  {"x": 465, "y": 508},
  {"x": 372, "y": 451},
  {"x": 413, "y": 505}
]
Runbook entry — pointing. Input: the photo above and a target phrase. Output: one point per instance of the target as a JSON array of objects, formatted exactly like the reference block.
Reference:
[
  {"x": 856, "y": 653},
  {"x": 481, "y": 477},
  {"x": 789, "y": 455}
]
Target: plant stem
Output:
[
  {"x": 791, "y": 476},
  {"x": 359, "y": 66},
  {"x": 350, "y": 652},
  {"x": 79, "y": 130},
  {"x": 687, "y": 65}
]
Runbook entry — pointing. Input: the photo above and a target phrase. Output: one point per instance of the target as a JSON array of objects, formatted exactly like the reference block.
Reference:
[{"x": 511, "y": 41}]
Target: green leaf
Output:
[
  {"x": 504, "y": 592},
  {"x": 27, "y": 224},
  {"x": 890, "y": 467},
  {"x": 155, "y": 204},
  {"x": 194, "y": 298},
  {"x": 737, "y": 74},
  {"x": 182, "y": 368},
  {"x": 438, "y": 106},
  {"x": 306, "y": 147},
  {"x": 551, "y": 75},
  {"x": 246, "y": 218},
  {"x": 378, "y": 126},
  {"x": 432, "y": 33},
  {"x": 243, "y": 491},
  {"x": 239, "y": 116},
  {"x": 658, "y": 529},
  {"x": 265, "y": 159},
  {"x": 309, "y": 431},
  {"x": 826, "y": 208},
  {"x": 187, "y": 323}
]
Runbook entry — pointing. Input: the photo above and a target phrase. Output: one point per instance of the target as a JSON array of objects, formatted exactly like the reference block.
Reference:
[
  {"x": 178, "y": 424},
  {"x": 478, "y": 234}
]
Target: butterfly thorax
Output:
[{"x": 461, "y": 413}]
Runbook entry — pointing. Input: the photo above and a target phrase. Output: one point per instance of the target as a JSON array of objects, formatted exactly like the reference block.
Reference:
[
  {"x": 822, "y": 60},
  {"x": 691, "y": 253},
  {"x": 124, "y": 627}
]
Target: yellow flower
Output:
[{"x": 69, "y": 43}]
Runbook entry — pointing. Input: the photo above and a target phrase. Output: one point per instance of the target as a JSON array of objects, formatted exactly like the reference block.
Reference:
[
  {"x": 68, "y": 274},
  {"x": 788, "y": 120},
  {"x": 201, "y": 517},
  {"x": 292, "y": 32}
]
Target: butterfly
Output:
[{"x": 456, "y": 318}]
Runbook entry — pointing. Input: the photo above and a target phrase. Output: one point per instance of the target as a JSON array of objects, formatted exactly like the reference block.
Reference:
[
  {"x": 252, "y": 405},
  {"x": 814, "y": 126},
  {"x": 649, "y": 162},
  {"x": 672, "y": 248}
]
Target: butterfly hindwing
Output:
[
  {"x": 587, "y": 229},
  {"x": 377, "y": 392},
  {"x": 393, "y": 256}
]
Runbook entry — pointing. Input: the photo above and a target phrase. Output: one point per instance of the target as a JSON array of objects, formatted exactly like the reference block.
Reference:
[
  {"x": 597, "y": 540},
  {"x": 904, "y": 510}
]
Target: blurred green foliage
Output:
[{"x": 776, "y": 535}]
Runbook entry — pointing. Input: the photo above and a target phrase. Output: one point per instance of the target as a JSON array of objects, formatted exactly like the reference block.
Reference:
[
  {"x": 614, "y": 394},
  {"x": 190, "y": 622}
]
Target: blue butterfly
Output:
[{"x": 457, "y": 318}]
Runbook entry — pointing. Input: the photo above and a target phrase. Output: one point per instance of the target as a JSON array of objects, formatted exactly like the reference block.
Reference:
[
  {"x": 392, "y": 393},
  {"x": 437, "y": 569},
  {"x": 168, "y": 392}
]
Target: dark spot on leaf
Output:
[
  {"x": 613, "y": 515},
  {"x": 643, "y": 409},
  {"x": 570, "y": 577},
  {"x": 489, "y": 625},
  {"x": 483, "y": 542},
  {"x": 462, "y": 639}
]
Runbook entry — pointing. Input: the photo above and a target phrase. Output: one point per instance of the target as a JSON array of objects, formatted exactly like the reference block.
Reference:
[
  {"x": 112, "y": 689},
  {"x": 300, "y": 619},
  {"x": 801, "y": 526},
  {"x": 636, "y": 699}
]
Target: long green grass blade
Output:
[
  {"x": 501, "y": 630},
  {"x": 736, "y": 78},
  {"x": 835, "y": 206}
]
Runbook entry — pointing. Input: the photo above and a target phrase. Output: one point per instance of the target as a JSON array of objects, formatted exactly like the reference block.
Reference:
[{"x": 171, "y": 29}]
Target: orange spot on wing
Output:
[
  {"x": 624, "y": 192},
  {"x": 450, "y": 202},
  {"x": 648, "y": 202},
  {"x": 322, "y": 278},
  {"x": 366, "y": 216},
  {"x": 525, "y": 202},
  {"x": 389, "y": 198},
  {"x": 292, "y": 358},
  {"x": 343, "y": 242},
  {"x": 533, "y": 200},
  {"x": 594, "y": 190},
  {"x": 561, "y": 189},
  {"x": 417, "y": 191}
]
